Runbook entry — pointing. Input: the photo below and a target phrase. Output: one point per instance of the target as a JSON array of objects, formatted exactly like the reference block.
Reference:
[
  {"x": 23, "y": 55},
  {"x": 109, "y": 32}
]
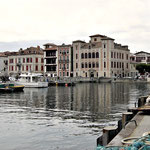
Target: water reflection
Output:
[{"x": 69, "y": 117}]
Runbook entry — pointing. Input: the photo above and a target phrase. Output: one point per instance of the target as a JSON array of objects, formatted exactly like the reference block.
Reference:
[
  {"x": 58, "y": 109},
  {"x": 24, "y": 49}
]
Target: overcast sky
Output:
[{"x": 25, "y": 23}]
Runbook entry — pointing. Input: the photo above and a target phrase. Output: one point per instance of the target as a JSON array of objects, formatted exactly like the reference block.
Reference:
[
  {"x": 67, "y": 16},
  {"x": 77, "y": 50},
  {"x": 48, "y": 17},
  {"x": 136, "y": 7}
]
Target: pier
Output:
[{"x": 134, "y": 125}]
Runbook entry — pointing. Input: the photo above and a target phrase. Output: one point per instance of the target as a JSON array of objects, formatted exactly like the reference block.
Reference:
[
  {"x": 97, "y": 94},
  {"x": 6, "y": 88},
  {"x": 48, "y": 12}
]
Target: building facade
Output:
[
  {"x": 24, "y": 61},
  {"x": 101, "y": 57},
  {"x": 57, "y": 60},
  {"x": 64, "y": 61},
  {"x": 3, "y": 64},
  {"x": 50, "y": 59}
]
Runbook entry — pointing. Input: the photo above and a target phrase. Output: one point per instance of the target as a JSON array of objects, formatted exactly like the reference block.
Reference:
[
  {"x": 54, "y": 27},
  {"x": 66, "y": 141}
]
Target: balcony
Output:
[{"x": 63, "y": 61}]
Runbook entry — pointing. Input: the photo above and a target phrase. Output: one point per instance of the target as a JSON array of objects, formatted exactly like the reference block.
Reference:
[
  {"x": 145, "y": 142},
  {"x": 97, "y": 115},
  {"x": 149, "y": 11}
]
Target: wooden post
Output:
[
  {"x": 109, "y": 133},
  {"x": 126, "y": 116}
]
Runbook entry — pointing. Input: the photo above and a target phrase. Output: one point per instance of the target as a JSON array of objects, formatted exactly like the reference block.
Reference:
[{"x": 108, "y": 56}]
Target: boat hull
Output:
[{"x": 33, "y": 84}]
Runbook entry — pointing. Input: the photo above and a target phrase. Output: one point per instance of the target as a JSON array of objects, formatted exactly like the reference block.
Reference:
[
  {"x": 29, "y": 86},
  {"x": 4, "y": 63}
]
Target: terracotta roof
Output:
[
  {"x": 78, "y": 41},
  {"x": 142, "y": 52},
  {"x": 108, "y": 38},
  {"x": 50, "y": 44},
  {"x": 98, "y": 35}
]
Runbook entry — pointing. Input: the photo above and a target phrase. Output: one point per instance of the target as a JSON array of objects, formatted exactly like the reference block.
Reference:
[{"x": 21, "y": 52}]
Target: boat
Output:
[
  {"x": 9, "y": 87},
  {"x": 105, "y": 79},
  {"x": 33, "y": 80}
]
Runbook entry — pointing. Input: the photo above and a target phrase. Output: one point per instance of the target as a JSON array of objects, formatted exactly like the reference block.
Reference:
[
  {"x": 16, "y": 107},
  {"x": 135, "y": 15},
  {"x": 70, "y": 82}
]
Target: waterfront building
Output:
[
  {"x": 100, "y": 57},
  {"x": 141, "y": 57},
  {"x": 133, "y": 71},
  {"x": 24, "y": 61},
  {"x": 64, "y": 61},
  {"x": 3, "y": 64},
  {"x": 50, "y": 59},
  {"x": 57, "y": 60}
]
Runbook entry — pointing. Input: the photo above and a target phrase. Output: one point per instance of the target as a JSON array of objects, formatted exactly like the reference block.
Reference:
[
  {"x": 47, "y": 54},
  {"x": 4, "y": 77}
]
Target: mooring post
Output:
[
  {"x": 126, "y": 116},
  {"x": 109, "y": 133}
]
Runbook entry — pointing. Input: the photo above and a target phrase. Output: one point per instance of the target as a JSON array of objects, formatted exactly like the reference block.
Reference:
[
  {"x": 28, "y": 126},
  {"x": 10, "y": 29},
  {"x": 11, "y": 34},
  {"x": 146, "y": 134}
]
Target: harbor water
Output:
[{"x": 64, "y": 118}]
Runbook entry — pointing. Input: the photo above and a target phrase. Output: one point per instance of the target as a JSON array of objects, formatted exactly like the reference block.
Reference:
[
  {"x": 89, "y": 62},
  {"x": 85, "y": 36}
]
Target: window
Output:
[
  {"x": 23, "y": 60},
  {"x": 31, "y": 60},
  {"x": 60, "y": 66},
  {"x": 104, "y": 74},
  {"x": 60, "y": 74},
  {"x": 67, "y": 73},
  {"x": 63, "y": 73},
  {"x": 36, "y": 68},
  {"x": 122, "y": 56},
  {"x": 67, "y": 66},
  {"x": 42, "y": 60},
  {"x": 97, "y": 55},
  {"x": 89, "y": 55},
  {"x": 95, "y": 39},
  {"x": 27, "y": 60},
  {"x": 97, "y": 65},
  {"x": 85, "y": 65},
  {"x": 111, "y": 54},
  {"x": 36, "y": 60},
  {"x": 93, "y": 65},
  {"x": 76, "y": 65},
  {"x": 127, "y": 65},
  {"x": 104, "y": 64},
  {"x": 111, "y": 64},
  {"x": 93, "y": 55},
  {"x": 114, "y": 64},
  {"x": 82, "y": 56},
  {"x": 76, "y": 56},
  {"x": 104, "y": 54},
  {"x": 27, "y": 68},
  {"x": 76, "y": 47},
  {"x": 82, "y": 65},
  {"x": 11, "y": 61},
  {"x": 22, "y": 68},
  {"x": 89, "y": 65},
  {"x": 85, "y": 55},
  {"x": 12, "y": 68},
  {"x": 127, "y": 56},
  {"x": 104, "y": 45},
  {"x": 42, "y": 68}
]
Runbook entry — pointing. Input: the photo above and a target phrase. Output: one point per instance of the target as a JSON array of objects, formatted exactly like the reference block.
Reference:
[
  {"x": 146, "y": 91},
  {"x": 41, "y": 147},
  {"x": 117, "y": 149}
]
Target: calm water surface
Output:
[{"x": 63, "y": 118}]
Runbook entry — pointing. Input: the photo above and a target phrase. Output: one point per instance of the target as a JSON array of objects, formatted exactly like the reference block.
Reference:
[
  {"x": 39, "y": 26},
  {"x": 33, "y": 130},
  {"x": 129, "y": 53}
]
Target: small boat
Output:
[
  {"x": 105, "y": 79},
  {"x": 9, "y": 87},
  {"x": 33, "y": 80}
]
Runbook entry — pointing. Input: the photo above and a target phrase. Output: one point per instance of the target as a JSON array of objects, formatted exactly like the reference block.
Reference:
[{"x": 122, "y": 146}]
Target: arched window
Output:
[
  {"x": 93, "y": 55},
  {"x": 97, "y": 55},
  {"x": 85, "y": 55},
  {"x": 85, "y": 65},
  {"x": 93, "y": 65},
  {"x": 82, "y": 65},
  {"x": 89, "y": 55},
  {"x": 89, "y": 65},
  {"x": 97, "y": 65},
  {"x": 82, "y": 56}
]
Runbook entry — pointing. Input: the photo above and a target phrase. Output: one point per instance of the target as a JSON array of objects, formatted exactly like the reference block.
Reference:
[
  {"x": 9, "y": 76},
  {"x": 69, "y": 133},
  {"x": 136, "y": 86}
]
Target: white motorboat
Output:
[{"x": 33, "y": 80}]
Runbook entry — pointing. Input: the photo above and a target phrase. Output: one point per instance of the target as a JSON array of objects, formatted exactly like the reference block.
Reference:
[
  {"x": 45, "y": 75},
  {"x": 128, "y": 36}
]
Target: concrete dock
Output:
[
  {"x": 134, "y": 123},
  {"x": 135, "y": 128}
]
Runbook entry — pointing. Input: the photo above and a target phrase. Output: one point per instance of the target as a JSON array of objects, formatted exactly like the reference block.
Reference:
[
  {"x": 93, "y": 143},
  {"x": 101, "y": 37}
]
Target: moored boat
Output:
[
  {"x": 7, "y": 87},
  {"x": 33, "y": 80}
]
